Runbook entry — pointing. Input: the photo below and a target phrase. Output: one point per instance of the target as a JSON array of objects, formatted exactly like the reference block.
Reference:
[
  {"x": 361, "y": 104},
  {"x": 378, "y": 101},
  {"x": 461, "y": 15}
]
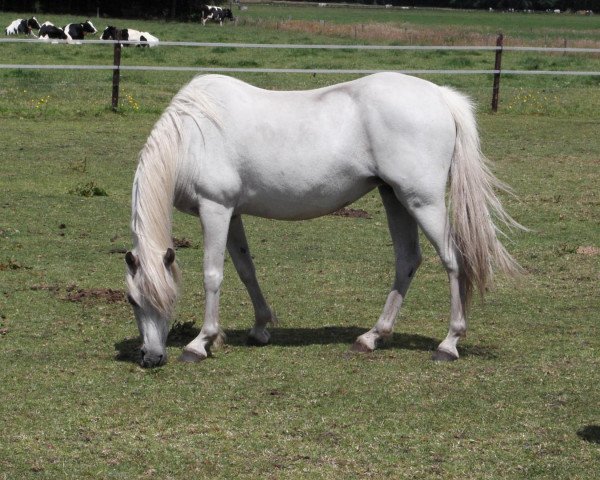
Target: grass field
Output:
[{"x": 523, "y": 400}]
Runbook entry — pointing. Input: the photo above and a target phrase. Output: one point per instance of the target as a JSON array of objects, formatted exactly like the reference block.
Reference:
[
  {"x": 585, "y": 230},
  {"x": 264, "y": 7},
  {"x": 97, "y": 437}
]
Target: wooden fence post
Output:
[
  {"x": 116, "y": 76},
  {"x": 497, "y": 68}
]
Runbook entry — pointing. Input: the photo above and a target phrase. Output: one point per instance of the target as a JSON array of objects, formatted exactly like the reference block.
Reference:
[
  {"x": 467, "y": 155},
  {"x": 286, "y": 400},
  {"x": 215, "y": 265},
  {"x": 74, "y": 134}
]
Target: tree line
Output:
[{"x": 189, "y": 9}]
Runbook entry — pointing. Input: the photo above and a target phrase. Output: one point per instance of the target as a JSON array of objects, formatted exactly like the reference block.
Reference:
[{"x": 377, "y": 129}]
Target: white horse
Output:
[{"x": 224, "y": 148}]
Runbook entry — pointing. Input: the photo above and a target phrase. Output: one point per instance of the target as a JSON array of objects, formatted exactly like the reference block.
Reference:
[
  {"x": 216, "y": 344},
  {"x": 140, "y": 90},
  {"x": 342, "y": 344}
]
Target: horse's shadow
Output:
[
  {"x": 183, "y": 333},
  {"x": 590, "y": 433}
]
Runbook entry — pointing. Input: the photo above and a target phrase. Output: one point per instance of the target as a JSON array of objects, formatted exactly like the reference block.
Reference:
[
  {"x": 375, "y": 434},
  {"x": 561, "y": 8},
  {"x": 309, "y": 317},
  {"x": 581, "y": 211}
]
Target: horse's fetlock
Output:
[
  {"x": 210, "y": 334},
  {"x": 385, "y": 332},
  {"x": 459, "y": 331}
]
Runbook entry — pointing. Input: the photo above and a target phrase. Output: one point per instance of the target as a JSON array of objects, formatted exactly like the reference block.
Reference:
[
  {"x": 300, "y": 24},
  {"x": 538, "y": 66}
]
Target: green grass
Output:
[{"x": 520, "y": 403}]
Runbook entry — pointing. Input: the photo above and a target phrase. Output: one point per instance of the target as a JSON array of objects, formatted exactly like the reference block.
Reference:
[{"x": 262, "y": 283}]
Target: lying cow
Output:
[
  {"x": 24, "y": 26},
  {"x": 145, "y": 39},
  {"x": 49, "y": 32},
  {"x": 78, "y": 31},
  {"x": 216, "y": 14}
]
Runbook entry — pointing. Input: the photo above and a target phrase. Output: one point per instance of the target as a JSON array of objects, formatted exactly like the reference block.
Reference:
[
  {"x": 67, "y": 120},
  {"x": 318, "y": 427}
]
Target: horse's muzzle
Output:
[{"x": 150, "y": 359}]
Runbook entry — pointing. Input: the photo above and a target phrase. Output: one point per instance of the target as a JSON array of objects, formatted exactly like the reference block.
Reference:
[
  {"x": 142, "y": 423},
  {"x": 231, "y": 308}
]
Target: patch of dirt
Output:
[
  {"x": 11, "y": 265},
  {"x": 181, "y": 243},
  {"x": 76, "y": 294},
  {"x": 351, "y": 213},
  {"x": 106, "y": 295},
  {"x": 590, "y": 251},
  {"x": 45, "y": 286}
]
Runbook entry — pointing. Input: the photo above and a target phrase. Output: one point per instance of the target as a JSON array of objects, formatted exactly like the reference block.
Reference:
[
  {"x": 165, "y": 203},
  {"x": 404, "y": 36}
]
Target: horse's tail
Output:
[{"x": 474, "y": 205}]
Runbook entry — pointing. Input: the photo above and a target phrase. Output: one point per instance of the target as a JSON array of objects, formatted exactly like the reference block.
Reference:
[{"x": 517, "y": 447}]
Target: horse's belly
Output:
[{"x": 293, "y": 202}]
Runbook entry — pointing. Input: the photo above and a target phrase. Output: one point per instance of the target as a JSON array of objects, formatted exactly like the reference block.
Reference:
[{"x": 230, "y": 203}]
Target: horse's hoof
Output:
[
  {"x": 443, "y": 356},
  {"x": 359, "y": 347},
  {"x": 258, "y": 337},
  {"x": 255, "y": 342},
  {"x": 188, "y": 356}
]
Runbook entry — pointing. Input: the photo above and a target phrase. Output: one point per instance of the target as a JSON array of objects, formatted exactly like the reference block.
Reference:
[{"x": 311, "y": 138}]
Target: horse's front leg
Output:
[
  {"x": 237, "y": 245},
  {"x": 215, "y": 220}
]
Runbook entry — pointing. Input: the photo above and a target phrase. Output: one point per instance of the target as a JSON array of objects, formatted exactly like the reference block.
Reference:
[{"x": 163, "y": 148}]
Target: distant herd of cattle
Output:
[{"x": 77, "y": 31}]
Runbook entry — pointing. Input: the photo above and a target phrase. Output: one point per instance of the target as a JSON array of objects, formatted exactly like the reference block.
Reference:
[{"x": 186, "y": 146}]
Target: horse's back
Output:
[
  {"x": 333, "y": 118},
  {"x": 384, "y": 88}
]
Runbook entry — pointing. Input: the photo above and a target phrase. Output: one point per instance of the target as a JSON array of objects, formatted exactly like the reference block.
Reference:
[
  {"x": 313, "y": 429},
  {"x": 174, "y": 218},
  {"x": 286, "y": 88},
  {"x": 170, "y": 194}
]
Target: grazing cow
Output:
[
  {"x": 206, "y": 13},
  {"x": 22, "y": 25},
  {"x": 145, "y": 39},
  {"x": 49, "y": 32},
  {"x": 77, "y": 31},
  {"x": 216, "y": 14}
]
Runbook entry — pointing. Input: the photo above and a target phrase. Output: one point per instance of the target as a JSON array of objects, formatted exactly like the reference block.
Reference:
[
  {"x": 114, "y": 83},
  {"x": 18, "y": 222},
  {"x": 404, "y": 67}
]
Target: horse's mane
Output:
[{"x": 153, "y": 193}]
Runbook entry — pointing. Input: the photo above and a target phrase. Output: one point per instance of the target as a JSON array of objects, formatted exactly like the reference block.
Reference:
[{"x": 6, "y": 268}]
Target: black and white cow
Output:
[
  {"x": 21, "y": 25},
  {"x": 145, "y": 39},
  {"x": 215, "y": 14},
  {"x": 49, "y": 32},
  {"x": 225, "y": 14},
  {"x": 77, "y": 31},
  {"x": 206, "y": 13},
  {"x": 113, "y": 33}
]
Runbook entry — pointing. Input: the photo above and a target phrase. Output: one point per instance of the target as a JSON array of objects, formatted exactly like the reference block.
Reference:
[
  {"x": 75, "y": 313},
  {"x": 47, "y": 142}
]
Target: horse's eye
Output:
[{"x": 132, "y": 301}]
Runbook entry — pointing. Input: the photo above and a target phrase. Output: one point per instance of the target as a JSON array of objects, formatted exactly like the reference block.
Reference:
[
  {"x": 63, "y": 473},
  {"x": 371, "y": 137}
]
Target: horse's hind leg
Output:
[
  {"x": 405, "y": 237},
  {"x": 237, "y": 246},
  {"x": 215, "y": 220},
  {"x": 433, "y": 220}
]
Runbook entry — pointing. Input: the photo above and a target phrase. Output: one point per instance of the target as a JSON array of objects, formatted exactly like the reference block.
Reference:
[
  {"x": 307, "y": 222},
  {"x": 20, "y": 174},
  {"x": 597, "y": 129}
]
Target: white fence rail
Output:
[
  {"x": 323, "y": 47},
  {"x": 293, "y": 70}
]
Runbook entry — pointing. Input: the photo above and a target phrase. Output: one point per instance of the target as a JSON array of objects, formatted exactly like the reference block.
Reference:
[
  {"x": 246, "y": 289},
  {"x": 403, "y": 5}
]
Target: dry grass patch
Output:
[
  {"x": 402, "y": 34},
  {"x": 410, "y": 34}
]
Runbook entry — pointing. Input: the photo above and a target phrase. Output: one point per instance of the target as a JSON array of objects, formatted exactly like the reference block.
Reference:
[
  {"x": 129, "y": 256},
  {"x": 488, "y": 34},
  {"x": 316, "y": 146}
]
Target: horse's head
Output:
[{"x": 152, "y": 290}]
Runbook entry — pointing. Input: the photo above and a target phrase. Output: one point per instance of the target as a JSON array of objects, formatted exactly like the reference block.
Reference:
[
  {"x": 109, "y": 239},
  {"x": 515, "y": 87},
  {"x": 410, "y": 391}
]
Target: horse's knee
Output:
[{"x": 213, "y": 280}]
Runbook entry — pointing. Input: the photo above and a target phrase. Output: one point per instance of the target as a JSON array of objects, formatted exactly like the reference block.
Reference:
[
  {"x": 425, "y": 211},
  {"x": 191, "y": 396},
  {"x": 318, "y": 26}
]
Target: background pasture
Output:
[{"x": 521, "y": 403}]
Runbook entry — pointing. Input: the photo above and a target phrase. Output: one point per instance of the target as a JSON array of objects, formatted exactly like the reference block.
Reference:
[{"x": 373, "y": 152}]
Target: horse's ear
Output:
[
  {"x": 131, "y": 261},
  {"x": 169, "y": 257}
]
